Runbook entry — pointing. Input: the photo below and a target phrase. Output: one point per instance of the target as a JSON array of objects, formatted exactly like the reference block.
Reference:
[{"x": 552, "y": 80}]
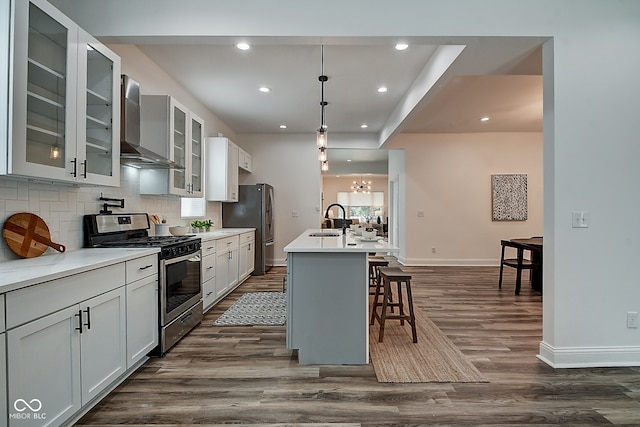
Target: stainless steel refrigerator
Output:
[{"x": 254, "y": 208}]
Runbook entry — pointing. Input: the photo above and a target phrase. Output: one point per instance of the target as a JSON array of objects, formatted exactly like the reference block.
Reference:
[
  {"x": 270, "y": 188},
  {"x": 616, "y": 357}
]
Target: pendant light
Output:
[{"x": 321, "y": 139}]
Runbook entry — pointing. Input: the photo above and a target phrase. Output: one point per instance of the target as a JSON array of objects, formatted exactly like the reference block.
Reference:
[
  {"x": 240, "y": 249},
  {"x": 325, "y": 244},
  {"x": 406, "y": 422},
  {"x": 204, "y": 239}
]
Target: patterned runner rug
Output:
[
  {"x": 256, "y": 308},
  {"x": 434, "y": 358}
]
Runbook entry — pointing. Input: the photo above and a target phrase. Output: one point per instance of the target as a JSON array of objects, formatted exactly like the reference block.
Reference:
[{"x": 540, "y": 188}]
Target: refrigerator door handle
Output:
[{"x": 269, "y": 243}]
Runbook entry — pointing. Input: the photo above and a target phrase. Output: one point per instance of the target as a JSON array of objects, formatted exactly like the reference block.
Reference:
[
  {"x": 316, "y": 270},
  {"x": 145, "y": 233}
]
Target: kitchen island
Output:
[{"x": 328, "y": 296}]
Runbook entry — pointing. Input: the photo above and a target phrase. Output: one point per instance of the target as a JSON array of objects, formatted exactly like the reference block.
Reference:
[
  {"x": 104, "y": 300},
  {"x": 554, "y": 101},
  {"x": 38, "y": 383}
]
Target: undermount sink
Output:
[{"x": 325, "y": 234}]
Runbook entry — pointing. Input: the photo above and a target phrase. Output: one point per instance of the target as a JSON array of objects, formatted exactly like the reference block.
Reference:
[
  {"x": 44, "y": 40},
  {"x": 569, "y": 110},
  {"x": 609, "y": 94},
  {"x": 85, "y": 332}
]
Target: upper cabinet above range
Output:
[
  {"x": 65, "y": 110},
  {"x": 169, "y": 129}
]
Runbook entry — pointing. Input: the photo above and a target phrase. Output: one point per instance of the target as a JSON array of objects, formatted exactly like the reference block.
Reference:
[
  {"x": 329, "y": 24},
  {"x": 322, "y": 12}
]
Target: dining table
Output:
[{"x": 534, "y": 245}]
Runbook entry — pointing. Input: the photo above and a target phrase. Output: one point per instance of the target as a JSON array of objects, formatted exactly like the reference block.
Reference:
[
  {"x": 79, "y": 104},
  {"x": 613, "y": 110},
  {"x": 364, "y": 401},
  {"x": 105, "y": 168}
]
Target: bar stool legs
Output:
[{"x": 386, "y": 276}]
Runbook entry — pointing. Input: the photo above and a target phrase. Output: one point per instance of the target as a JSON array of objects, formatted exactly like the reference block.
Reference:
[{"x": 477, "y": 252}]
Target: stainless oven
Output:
[{"x": 180, "y": 297}]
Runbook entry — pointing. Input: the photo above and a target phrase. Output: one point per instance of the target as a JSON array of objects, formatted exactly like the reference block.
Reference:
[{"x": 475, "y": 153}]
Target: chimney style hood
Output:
[{"x": 131, "y": 152}]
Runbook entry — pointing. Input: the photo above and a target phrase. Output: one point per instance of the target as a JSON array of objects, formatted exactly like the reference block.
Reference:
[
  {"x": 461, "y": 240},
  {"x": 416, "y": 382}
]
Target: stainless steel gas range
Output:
[{"x": 179, "y": 282}]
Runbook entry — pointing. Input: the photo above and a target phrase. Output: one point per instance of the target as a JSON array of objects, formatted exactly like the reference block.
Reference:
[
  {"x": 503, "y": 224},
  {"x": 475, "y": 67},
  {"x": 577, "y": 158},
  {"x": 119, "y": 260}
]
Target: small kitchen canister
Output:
[{"x": 162, "y": 230}]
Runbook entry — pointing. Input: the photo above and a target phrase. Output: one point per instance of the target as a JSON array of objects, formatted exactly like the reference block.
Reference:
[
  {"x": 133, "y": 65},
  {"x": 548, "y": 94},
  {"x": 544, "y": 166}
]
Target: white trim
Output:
[
  {"x": 589, "y": 357},
  {"x": 443, "y": 262}
]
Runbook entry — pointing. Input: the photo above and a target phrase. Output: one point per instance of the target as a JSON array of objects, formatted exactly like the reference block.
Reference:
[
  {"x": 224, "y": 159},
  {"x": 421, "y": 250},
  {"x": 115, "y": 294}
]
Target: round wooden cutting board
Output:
[{"x": 27, "y": 235}]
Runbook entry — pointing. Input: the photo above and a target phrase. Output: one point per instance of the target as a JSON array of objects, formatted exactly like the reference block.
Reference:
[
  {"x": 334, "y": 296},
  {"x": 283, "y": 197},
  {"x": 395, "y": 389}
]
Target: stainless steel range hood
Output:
[{"x": 132, "y": 153}]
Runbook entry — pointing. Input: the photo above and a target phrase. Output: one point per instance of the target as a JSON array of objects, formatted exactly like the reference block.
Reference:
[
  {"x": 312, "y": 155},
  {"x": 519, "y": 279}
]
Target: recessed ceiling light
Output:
[
  {"x": 364, "y": 126},
  {"x": 382, "y": 89},
  {"x": 348, "y": 160},
  {"x": 401, "y": 46},
  {"x": 283, "y": 126},
  {"x": 243, "y": 46},
  {"x": 264, "y": 89},
  {"x": 485, "y": 119}
]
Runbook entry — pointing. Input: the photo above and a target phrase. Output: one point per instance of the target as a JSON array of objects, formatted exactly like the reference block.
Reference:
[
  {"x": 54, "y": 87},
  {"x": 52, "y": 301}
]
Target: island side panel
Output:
[{"x": 328, "y": 305}]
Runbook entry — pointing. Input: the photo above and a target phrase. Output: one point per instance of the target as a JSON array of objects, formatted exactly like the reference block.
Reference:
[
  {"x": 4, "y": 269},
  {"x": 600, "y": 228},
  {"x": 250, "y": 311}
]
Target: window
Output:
[
  {"x": 364, "y": 206},
  {"x": 192, "y": 207}
]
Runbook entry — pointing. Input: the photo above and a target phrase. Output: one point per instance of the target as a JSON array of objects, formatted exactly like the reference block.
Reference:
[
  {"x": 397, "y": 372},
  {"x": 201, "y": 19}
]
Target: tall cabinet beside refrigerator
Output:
[{"x": 254, "y": 208}]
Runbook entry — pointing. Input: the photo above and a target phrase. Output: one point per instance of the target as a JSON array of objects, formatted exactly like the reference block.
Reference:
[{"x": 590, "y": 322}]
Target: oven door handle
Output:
[{"x": 182, "y": 258}]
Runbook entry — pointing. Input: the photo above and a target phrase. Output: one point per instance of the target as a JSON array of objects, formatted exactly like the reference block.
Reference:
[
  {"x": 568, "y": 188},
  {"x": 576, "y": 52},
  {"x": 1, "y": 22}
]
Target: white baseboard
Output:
[
  {"x": 442, "y": 262},
  {"x": 589, "y": 357}
]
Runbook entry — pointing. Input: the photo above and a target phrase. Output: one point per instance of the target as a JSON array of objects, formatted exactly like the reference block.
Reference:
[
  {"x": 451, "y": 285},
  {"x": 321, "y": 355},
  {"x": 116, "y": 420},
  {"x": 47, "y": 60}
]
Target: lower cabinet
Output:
[
  {"x": 246, "y": 255},
  {"x": 68, "y": 341},
  {"x": 3, "y": 379},
  {"x": 142, "y": 318},
  {"x": 226, "y": 265},
  {"x": 208, "y": 274},
  {"x": 60, "y": 362}
]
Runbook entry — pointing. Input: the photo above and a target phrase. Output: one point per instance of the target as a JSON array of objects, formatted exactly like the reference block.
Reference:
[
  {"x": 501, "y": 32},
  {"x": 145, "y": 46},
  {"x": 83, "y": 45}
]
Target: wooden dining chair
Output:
[{"x": 519, "y": 262}]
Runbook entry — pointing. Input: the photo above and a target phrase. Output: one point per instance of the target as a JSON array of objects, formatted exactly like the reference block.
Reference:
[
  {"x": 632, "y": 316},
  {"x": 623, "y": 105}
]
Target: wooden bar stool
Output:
[
  {"x": 375, "y": 262},
  {"x": 386, "y": 275}
]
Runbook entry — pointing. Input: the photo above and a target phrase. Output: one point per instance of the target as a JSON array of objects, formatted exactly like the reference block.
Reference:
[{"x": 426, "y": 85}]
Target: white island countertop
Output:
[
  {"x": 349, "y": 242},
  {"x": 20, "y": 273}
]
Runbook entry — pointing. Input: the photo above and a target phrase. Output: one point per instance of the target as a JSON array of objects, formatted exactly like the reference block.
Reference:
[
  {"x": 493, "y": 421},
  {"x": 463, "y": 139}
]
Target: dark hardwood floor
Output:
[{"x": 245, "y": 375}]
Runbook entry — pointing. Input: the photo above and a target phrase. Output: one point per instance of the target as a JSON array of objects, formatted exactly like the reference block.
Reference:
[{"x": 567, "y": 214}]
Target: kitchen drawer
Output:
[
  {"x": 208, "y": 267},
  {"x": 247, "y": 237},
  {"x": 2, "y": 326},
  {"x": 227, "y": 243},
  {"x": 208, "y": 293},
  {"x": 141, "y": 267},
  {"x": 26, "y": 304},
  {"x": 208, "y": 247}
]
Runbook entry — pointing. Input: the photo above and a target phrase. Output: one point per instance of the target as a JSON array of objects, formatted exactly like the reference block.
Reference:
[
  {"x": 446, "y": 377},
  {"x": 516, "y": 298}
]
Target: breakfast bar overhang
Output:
[{"x": 328, "y": 296}]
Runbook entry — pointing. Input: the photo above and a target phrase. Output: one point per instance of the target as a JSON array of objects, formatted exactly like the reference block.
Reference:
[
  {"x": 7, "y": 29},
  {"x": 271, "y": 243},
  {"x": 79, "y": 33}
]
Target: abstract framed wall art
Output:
[{"x": 509, "y": 197}]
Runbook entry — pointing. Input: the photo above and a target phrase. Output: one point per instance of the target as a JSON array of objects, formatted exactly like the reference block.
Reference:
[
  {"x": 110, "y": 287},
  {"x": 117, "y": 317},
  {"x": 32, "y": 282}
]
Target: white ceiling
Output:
[{"x": 226, "y": 80}]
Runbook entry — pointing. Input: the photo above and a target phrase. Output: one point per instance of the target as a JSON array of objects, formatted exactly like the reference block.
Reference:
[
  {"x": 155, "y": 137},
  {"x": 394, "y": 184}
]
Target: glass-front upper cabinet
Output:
[
  {"x": 52, "y": 74},
  {"x": 197, "y": 136},
  {"x": 178, "y": 145},
  {"x": 98, "y": 112}
]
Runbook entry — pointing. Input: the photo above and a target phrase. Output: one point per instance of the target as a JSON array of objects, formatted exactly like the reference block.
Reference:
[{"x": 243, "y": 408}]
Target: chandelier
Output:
[
  {"x": 321, "y": 136},
  {"x": 361, "y": 187}
]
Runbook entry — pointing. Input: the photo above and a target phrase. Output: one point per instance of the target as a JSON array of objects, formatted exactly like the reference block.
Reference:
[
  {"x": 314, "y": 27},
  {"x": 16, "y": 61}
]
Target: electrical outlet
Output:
[
  {"x": 632, "y": 319},
  {"x": 433, "y": 250}
]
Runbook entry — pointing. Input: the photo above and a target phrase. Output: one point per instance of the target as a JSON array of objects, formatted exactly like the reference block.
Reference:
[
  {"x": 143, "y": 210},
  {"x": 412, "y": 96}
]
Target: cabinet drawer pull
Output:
[
  {"x": 210, "y": 248},
  {"x": 146, "y": 266},
  {"x": 88, "y": 324},
  {"x": 210, "y": 267},
  {"x": 79, "y": 316}
]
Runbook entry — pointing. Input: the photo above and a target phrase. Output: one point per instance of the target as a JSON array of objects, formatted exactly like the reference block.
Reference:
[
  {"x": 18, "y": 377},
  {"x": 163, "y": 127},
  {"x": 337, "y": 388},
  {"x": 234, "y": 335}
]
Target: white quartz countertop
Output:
[
  {"x": 20, "y": 273},
  {"x": 349, "y": 242},
  {"x": 221, "y": 233}
]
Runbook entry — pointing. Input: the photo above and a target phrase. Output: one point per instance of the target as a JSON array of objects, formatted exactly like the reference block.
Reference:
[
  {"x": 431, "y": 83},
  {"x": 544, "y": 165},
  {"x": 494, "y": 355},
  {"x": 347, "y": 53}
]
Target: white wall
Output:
[
  {"x": 290, "y": 164},
  {"x": 448, "y": 182}
]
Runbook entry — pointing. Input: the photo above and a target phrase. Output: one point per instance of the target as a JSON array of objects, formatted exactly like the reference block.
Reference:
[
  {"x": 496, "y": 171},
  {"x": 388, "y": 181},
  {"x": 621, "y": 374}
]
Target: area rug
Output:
[
  {"x": 434, "y": 358},
  {"x": 256, "y": 309}
]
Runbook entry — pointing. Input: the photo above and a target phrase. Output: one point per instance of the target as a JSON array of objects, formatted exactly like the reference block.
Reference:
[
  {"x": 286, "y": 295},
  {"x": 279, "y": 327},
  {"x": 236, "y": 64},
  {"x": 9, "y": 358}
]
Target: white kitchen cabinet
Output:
[
  {"x": 169, "y": 129},
  {"x": 142, "y": 318},
  {"x": 65, "y": 105},
  {"x": 208, "y": 273},
  {"x": 3, "y": 380},
  {"x": 103, "y": 344},
  {"x": 3, "y": 365},
  {"x": 226, "y": 265},
  {"x": 142, "y": 307},
  {"x": 66, "y": 341},
  {"x": 43, "y": 362},
  {"x": 244, "y": 161},
  {"x": 246, "y": 255},
  {"x": 221, "y": 170},
  {"x": 67, "y": 358}
]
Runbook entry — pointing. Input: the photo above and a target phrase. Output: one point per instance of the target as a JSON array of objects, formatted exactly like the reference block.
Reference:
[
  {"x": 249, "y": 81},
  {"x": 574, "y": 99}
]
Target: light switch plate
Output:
[{"x": 579, "y": 219}]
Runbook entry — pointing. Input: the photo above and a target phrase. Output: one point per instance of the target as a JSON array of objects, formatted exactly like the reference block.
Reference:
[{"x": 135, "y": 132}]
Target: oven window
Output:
[{"x": 183, "y": 282}]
